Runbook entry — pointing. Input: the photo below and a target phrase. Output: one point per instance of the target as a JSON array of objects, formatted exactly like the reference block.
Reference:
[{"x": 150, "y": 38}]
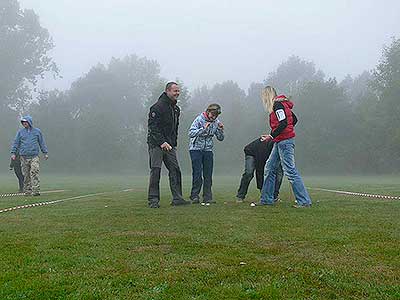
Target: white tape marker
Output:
[
  {"x": 56, "y": 201},
  {"x": 356, "y": 194},
  {"x": 22, "y": 194}
]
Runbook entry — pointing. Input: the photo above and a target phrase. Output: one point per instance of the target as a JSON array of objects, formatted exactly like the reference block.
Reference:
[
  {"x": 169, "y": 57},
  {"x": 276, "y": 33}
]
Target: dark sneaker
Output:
[
  {"x": 36, "y": 194},
  {"x": 179, "y": 202},
  {"x": 154, "y": 205}
]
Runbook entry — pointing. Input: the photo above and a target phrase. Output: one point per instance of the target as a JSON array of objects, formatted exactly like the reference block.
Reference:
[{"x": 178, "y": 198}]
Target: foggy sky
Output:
[{"x": 209, "y": 41}]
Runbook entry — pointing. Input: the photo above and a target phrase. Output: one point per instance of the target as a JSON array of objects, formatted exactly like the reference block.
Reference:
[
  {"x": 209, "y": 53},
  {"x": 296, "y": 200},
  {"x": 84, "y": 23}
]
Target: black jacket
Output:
[
  {"x": 260, "y": 151},
  {"x": 163, "y": 122}
]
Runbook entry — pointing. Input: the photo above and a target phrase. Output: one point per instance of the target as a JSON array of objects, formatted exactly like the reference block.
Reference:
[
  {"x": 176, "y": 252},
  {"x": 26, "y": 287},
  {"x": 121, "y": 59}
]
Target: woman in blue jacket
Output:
[{"x": 201, "y": 134}]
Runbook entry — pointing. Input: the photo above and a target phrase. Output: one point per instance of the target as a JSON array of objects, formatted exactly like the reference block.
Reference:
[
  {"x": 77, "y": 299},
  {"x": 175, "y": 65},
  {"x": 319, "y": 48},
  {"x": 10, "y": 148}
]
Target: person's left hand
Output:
[{"x": 46, "y": 156}]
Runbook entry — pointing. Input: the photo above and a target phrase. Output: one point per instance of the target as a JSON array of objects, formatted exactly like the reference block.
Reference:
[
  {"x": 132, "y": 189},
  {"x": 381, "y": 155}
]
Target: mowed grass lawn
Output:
[{"x": 112, "y": 246}]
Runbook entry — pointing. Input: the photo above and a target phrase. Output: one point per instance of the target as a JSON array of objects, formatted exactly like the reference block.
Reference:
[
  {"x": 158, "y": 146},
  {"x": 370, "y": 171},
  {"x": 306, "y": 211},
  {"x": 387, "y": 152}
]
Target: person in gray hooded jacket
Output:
[{"x": 201, "y": 133}]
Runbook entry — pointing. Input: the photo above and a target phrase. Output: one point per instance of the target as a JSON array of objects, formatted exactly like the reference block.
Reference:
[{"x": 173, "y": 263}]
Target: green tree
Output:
[
  {"x": 24, "y": 47},
  {"x": 386, "y": 110},
  {"x": 24, "y": 59},
  {"x": 292, "y": 74},
  {"x": 357, "y": 88},
  {"x": 325, "y": 127},
  {"x": 100, "y": 122}
]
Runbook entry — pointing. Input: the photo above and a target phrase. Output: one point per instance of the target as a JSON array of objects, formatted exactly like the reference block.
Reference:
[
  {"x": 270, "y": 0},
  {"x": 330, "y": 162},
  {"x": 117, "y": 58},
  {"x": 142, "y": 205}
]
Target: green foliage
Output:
[
  {"x": 292, "y": 74},
  {"x": 102, "y": 116},
  {"x": 24, "y": 59},
  {"x": 24, "y": 47},
  {"x": 387, "y": 73},
  {"x": 323, "y": 130},
  {"x": 376, "y": 114},
  {"x": 100, "y": 123}
]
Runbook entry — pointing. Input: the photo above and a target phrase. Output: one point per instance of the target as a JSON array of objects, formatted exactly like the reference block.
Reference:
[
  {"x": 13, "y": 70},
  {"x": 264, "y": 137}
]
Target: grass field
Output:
[{"x": 112, "y": 246}]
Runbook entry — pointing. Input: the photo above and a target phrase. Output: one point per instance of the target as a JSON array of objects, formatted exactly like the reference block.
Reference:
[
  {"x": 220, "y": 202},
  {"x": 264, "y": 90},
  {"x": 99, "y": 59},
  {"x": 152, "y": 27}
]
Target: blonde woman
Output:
[{"x": 282, "y": 121}]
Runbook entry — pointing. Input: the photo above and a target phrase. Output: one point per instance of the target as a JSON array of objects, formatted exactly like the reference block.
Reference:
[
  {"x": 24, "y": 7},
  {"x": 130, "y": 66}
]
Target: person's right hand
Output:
[
  {"x": 13, "y": 156},
  {"x": 265, "y": 137},
  {"x": 166, "y": 147},
  {"x": 207, "y": 124}
]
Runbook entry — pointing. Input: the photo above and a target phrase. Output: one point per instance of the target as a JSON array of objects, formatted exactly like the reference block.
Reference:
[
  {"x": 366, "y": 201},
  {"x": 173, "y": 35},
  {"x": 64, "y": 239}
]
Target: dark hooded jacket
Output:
[{"x": 163, "y": 122}]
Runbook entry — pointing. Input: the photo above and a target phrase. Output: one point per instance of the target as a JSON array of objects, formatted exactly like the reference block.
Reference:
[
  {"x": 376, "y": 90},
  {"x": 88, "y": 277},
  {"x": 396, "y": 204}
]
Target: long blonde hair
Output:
[{"x": 267, "y": 96}]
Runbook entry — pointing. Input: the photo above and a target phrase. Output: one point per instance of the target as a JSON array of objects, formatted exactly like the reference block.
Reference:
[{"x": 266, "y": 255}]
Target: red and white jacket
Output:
[{"x": 282, "y": 120}]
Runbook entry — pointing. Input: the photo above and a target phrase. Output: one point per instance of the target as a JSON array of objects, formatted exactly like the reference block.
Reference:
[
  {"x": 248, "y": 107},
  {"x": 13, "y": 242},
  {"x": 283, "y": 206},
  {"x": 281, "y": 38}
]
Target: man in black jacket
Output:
[
  {"x": 162, "y": 139},
  {"x": 256, "y": 155}
]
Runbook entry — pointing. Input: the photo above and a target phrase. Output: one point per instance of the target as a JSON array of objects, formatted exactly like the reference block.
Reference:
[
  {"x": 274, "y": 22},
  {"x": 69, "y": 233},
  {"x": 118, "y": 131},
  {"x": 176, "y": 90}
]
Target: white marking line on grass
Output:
[
  {"x": 54, "y": 201},
  {"x": 22, "y": 194},
  {"x": 357, "y": 194}
]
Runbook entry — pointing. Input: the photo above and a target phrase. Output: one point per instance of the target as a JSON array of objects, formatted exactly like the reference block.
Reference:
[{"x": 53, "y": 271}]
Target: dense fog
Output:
[{"x": 88, "y": 71}]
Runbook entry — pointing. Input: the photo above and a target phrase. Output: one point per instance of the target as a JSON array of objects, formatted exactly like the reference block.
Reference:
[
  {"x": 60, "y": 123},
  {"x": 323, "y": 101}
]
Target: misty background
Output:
[{"x": 87, "y": 72}]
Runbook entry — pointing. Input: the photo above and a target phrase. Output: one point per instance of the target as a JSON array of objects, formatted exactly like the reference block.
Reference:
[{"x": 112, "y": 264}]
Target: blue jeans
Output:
[
  {"x": 202, "y": 169},
  {"x": 283, "y": 152}
]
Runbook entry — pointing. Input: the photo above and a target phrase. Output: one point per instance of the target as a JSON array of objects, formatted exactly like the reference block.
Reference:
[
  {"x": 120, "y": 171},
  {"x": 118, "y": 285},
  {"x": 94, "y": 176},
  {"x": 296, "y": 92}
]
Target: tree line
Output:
[{"x": 100, "y": 122}]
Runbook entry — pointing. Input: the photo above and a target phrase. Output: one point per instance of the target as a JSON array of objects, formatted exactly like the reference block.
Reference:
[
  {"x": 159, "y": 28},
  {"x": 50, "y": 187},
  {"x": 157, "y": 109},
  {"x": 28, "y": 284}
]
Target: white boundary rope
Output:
[
  {"x": 22, "y": 194},
  {"x": 57, "y": 201},
  {"x": 357, "y": 194}
]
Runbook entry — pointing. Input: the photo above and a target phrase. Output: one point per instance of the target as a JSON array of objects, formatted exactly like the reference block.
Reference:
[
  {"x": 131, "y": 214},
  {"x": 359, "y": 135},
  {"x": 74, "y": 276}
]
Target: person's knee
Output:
[
  {"x": 271, "y": 166},
  {"x": 248, "y": 175},
  {"x": 269, "y": 170},
  {"x": 155, "y": 171},
  {"x": 175, "y": 171},
  {"x": 291, "y": 174}
]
